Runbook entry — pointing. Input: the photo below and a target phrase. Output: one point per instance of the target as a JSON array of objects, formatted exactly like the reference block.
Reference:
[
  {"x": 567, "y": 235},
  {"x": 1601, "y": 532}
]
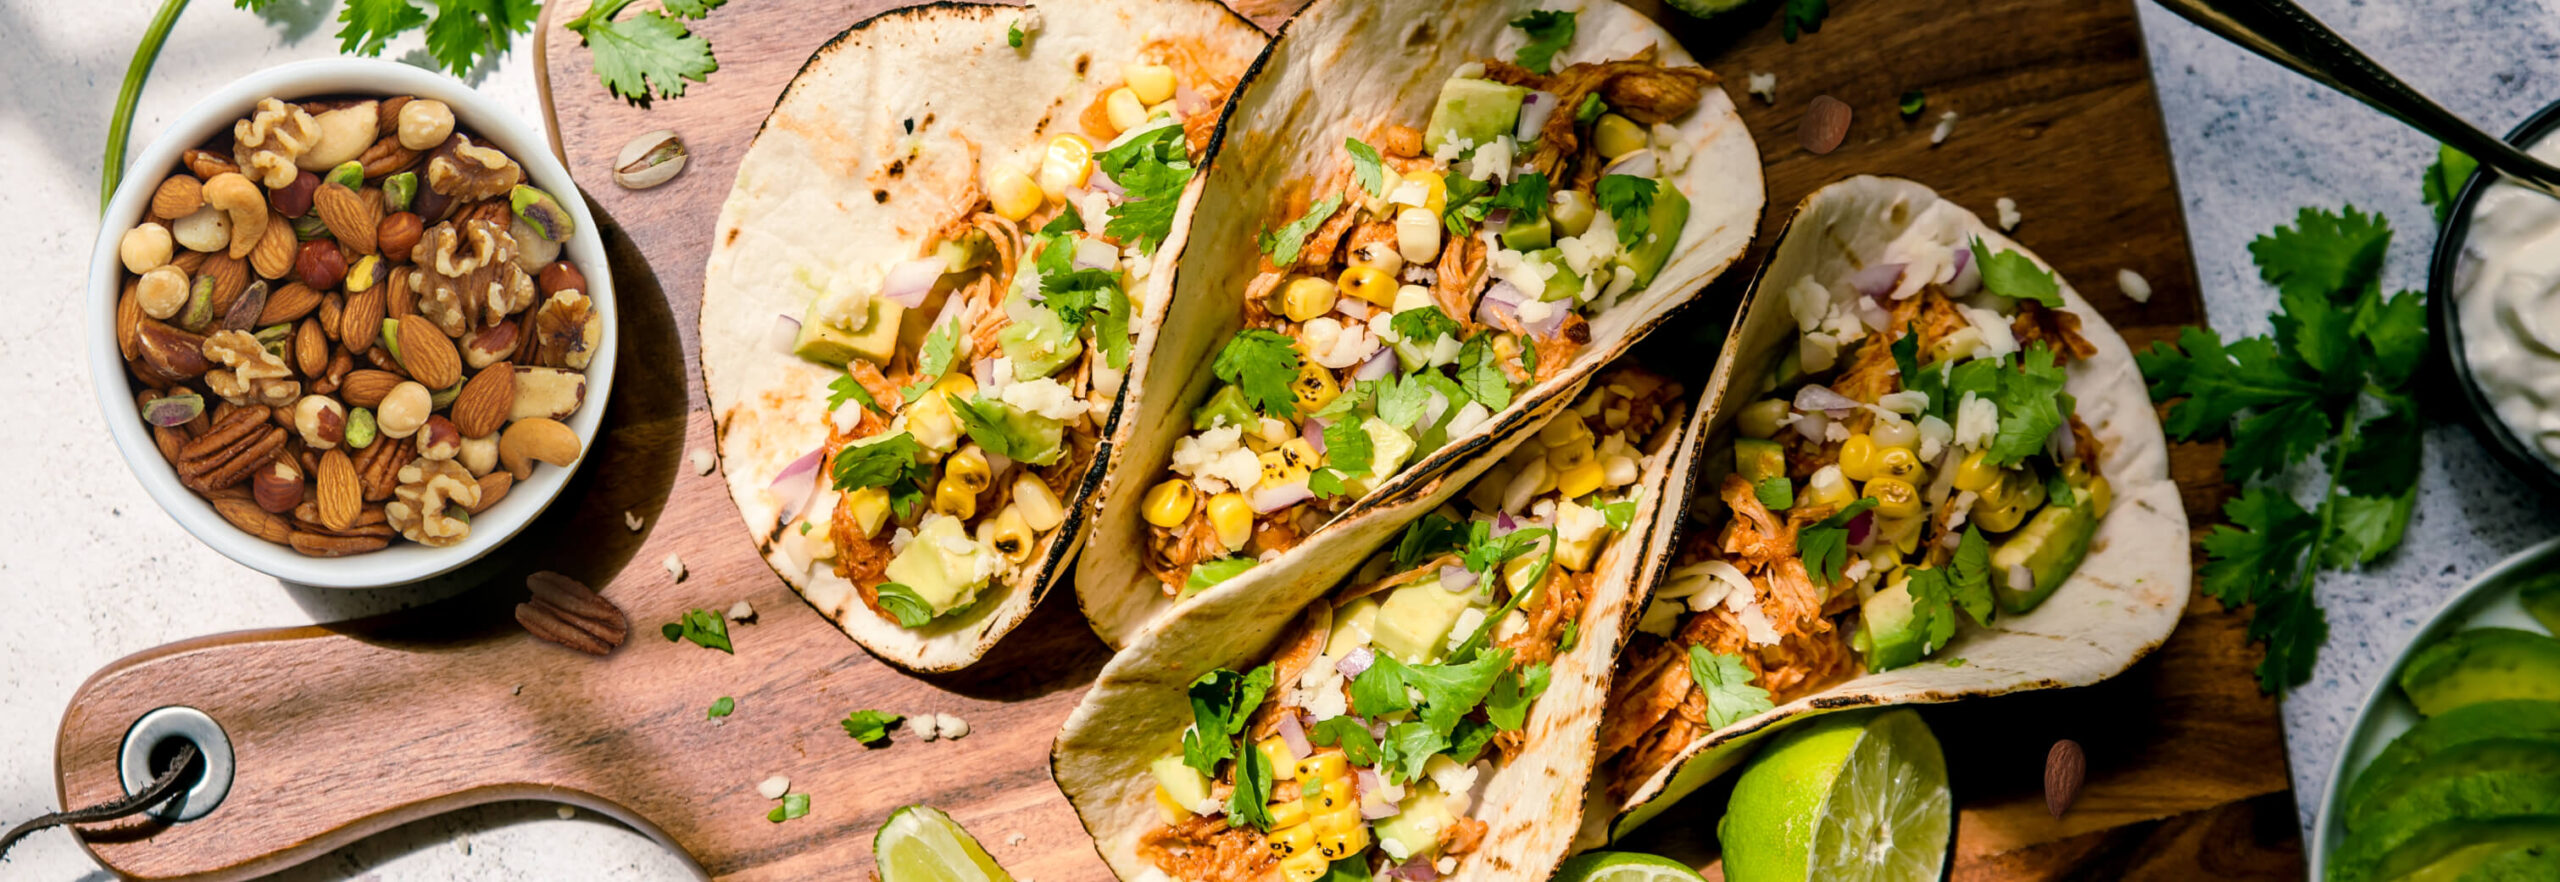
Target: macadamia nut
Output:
[
  {"x": 425, "y": 123},
  {"x": 144, "y": 248},
  {"x": 404, "y": 410}
]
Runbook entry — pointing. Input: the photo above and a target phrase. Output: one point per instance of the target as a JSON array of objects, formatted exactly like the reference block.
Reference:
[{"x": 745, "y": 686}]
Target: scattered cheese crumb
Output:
[
  {"x": 1016, "y": 839},
  {"x": 2134, "y": 285},
  {"x": 632, "y": 521},
  {"x": 953, "y": 728},
  {"x": 1764, "y": 86},
  {"x": 1446, "y": 865},
  {"x": 567, "y": 812},
  {"x": 1946, "y": 126},
  {"x": 740, "y": 612},
  {"x": 923, "y": 726},
  {"x": 703, "y": 461},
  {"x": 675, "y": 567},
  {"x": 2008, "y": 209},
  {"x": 774, "y": 787}
]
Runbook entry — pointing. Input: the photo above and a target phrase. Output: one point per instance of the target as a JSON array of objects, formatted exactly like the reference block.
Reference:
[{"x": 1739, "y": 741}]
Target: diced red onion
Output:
[
  {"x": 1270, "y": 499},
  {"x": 1862, "y": 527},
  {"x": 1534, "y": 111},
  {"x": 1102, "y": 183},
  {"x": 909, "y": 282},
  {"x": 785, "y": 335},
  {"x": 1813, "y": 425},
  {"x": 2066, "y": 444},
  {"x": 1873, "y": 315},
  {"x": 1546, "y": 327},
  {"x": 796, "y": 483},
  {"x": 1639, "y": 163},
  {"x": 1877, "y": 280},
  {"x": 1419, "y": 869},
  {"x": 1498, "y": 219},
  {"x": 1312, "y": 431},
  {"x": 996, "y": 462},
  {"x": 1815, "y": 396},
  {"x": 1354, "y": 307},
  {"x": 1356, "y": 661},
  {"x": 984, "y": 371},
  {"x": 1096, "y": 254},
  {"x": 172, "y": 411},
  {"x": 1967, "y": 278},
  {"x": 1370, "y": 782},
  {"x": 1503, "y": 524},
  {"x": 1295, "y": 736},
  {"x": 1456, "y": 578},
  {"x": 1379, "y": 365},
  {"x": 1499, "y": 303}
]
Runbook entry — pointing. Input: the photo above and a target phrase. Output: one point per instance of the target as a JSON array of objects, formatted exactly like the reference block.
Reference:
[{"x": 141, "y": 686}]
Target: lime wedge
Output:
[
  {"x": 921, "y": 844},
  {"x": 1850, "y": 797},
  {"x": 1624, "y": 866}
]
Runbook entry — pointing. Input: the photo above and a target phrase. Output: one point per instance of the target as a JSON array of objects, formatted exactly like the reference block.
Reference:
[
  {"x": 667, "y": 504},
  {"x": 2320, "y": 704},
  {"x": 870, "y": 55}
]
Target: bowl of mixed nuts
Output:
[{"x": 351, "y": 322}]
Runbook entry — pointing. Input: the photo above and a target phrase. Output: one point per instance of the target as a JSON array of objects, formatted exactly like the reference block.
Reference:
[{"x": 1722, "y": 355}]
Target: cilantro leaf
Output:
[
  {"x": 1346, "y": 449},
  {"x": 1480, "y": 372},
  {"x": 1933, "y": 610},
  {"x": 880, "y": 463},
  {"x": 794, "y": 805},
  {"x": 721, "y": 708},
  {"x": 2258, "y": 553},
  {"x": 1969, "y": 575},
  {"x": 1427, "y": 537},
  {"x": 871, "y": 727},
  {"x": 1069, "y": 220},
  {"x": 690, "y": 8},
  {"x": 1284, "y": 244},
  {"x": 1364, "y": 167},
  {"x": 1009, "y": 431},
  {"x": 1803, "y": 16},
  {"x": 1590, "y": 109},
  {"x": 904, "y": 604},
  {"x": 2444, "y": 179},
  {"x": 1013, "y": 34},
  {"x": 2030, "y": 402},
  {"x": 1451, "y": 691},
  {"x": 1825, "y": 544},
  {"x": 846, "y": 387},
  {"x": 1727, "y": 682},
  {"x": 933, "y": 358},
  {"x": 1250, "y": 803},
  {"x": 369, "y": 25},
  {"x": 1262, "y": 364},
  {"x": 1401, "y": 404},
  {"x": 2323, "y": 254},
  {"x": 1619, "y": 514},
  {"x": 2292, "y": 627},
  {"x": 1359, "y": 748},
  {"x": 2394, "y": 333},
  {"x": 2366, "y": 526},
  {"x": 2015, "y": 275},
  {"x": 705, "y": 628},
  {"x": 1507, "y": 705},
  {"x": 2219, "y": 381},
  {"x": 1423, "y": 324},
  {"x": 646, "y": 56},
  {"x": 1549, "y": 30},
  {"x": 1629, "y": 201},
  {"x": 2382, "y": 458},
  {"x": 1912, "y": 103},
  {"x": 1525, "y": 194},
  {"x": 1775, "y": 493},
  {"x": 1153, "y": 168},
  {"x": 1210, "y": 573},
  {"x": 1408, "y": 749}
]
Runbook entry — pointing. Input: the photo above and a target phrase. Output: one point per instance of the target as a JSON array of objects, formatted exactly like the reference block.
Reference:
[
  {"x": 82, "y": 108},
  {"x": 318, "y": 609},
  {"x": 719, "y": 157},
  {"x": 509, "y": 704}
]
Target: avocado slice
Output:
[
  {"x": 2490, "y": 778},
  {"x": 1564, "y": 285},
  {"x": 2536, "y": 863},
  {"x": 821, "y": 341},
  {"x": 1388, "y": 448},
  {"x": 1415, "y": 829},
  {"x": 1414, "y": 621},
  {"x": 1353, "y": 622},
  {"x": 1014, "y": 432},
  {"x": 2050, "y": 547},
  {"x": 1228, "y": 404},
  {"x": 1473, "y": 111},
  {"x": 2542, "y": 598},
  {"x": 1893, "y": 635},
  {"x": 1210, "y": 574},
  {"x": 1037, "y": 340},
  {"x": 1661, "y": 233},
  {"x": 2442, "y": 852},
  {"x": 946, "y": 580},
  {"x": 1183, "y": 783},
  {"x": 1758, "y": 460},
  {"x": 2481, "y": 664},
  {"x": 1528, "y": 235},
  {"x": 2534, "y": 720}
]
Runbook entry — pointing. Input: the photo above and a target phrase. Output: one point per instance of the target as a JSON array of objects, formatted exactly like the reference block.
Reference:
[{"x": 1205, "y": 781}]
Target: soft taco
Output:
[
  {"x": 945, "y": 257},
  {"x": 1428, "y": 223},
  {"x": 1930, "y": 471},
  {"x": 1432, "y": 716}
]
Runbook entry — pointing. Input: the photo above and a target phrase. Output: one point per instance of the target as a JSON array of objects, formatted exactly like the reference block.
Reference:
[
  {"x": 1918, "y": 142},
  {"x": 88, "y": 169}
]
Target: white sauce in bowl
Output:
[{"x": 2507, "y": 288}]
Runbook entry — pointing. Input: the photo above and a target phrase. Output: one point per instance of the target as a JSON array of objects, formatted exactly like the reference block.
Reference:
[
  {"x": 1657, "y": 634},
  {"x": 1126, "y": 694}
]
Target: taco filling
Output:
[
  {"x": 1362, "y": 743},
  {"x": 1451, "y": 264},
  {"x": 980, "y": 372},
  {"x": 1913, "y": 454}
]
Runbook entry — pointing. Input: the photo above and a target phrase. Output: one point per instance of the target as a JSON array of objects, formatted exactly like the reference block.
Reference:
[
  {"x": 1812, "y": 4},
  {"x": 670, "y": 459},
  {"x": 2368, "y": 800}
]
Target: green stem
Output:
[
  {"x": 120, "y": 128},
  {"x": 2328, "y": 512}
]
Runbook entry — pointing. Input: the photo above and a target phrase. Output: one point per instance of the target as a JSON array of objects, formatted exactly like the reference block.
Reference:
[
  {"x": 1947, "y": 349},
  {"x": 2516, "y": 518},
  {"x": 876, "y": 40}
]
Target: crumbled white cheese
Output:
[
  {"x": 774, "y": 787},
  {"x": 703, "y": 461},
  {"x": 1670, "y": 150},
  {"x": 2008, "y": 209},
  {"x": 1997, "y": 338},
  {"x": 1532, "y": 312},
  {"x": 1473, "y": 70},
  {"x": 1817, "y": 351},
  {"x": 1810, "y": 303},
  {"x": 952, "y": 728},
  {"x": 2134, "y": 285},
  {"x": 631, "y": 521},
  {"x": 1455, "y": 780},
  {"x": 1764, "y": 86},
  {"x": 1491, "y": 161},
  {"x": 923, "y": 726},
  {"x": 675, "y": 567},
  {"x": 1946, "y": 126},
  {"x": 1217, "y": 460},
  {"x": 1756, "y": 625},
  {"x": 1446, "y": 865},
  {"x": 1977, "y": 420},
  {"x": 1469, "y": 620},
  {"x": 741, "y": 611},
  {"x": 847, "y": 416},
  {"x": 1835, "y": 433},
  {"x": 1934, "y": 435},
  {"x": 1451, "y": 150},
  {"x": 1046, "y": 397},
  {"x": 1016, "y": 839},
  {"x": 846, "y": 302}
]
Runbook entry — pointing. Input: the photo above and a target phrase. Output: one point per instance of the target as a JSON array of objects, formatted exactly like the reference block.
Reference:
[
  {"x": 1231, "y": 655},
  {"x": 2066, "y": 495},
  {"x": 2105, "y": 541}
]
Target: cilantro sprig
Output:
[
  {"x": 871, "y": 727},
  {"x": 1152, "y": 168},
  {"x": 1825, "y": 545},
  {"x": 707, "y": 629},
  {"x": 1549, "y": 30},
  {"x": 2444, "y": 179},
  {"x": 2330, "y": 383},
  {"x": 1727, "y": 682},
  {"x": 649, "y": 55},
  {"x": 1261, "y": 363}
]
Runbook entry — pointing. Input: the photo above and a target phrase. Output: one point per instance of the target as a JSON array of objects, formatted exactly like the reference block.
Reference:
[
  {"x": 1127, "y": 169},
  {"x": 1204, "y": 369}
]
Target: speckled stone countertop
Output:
[{"x": 95, "y": 571}]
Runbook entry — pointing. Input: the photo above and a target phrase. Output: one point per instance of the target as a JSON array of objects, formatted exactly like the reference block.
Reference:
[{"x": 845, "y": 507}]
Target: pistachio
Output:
[
  {"x": 172, "y": 411},
  {"x": 244, "y": 310},
  {"x": 309, "y": 228},
  {"x": 348, "y": 174},
  {"x": 444, "y": 397},
  {"x": 273, "y": 337},
  {"x": 649, "y": 160},
  {"x": 199, "y": 312},
  {"x": 391, "y": 336},
  {"x": 368, "y": 272},
  {"x": 541, "y": 212},
  {"x": 359, "y": 431},
  {"x": 398, "y": 190}
]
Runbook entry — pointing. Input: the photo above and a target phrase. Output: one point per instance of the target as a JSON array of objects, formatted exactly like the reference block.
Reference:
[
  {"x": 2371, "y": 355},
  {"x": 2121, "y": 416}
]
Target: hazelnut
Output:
[
  {"x": 207, "y": 230},
  {"x": 321, "y": 421},
  {"x": 278, "y": 487},
  {"x": 145, "y": 248},
  {"x": 398, "y": 234},
  {"x": 560, "y": 276},
  {"x": 482, "y": 347},
  {"x": 438, "y": 439},
  {"x": 480, "y": 455},
  {"x": 404, "y": 410},
  {"x": 319, "y": 265},
  {"x": 533, "y": 250},
  {"x": 425, "y": 123},
  {"x": 162, "y": 292},
  {"x": 294, "y": 199}
]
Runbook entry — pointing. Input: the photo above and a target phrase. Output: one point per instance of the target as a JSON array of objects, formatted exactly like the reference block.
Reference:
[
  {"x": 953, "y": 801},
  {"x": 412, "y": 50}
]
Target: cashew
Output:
[
  {"x": 144, "y": 248},
  {"x": 548, "y": 440},
  {"x": 234, "y": 194}
]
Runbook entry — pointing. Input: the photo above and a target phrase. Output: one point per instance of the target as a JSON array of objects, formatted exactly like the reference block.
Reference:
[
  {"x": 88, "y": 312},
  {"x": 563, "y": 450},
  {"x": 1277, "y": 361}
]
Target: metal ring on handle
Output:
[{"x": 161, "y": 726}]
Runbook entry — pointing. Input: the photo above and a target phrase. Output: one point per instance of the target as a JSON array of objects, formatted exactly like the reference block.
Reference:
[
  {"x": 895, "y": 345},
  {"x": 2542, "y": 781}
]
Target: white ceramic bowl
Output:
[{"x": 404, "y": 561}]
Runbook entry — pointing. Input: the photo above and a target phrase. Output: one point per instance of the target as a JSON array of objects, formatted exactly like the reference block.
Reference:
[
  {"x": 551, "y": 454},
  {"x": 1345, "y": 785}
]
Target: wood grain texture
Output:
[{"x": 347, "y": 730}]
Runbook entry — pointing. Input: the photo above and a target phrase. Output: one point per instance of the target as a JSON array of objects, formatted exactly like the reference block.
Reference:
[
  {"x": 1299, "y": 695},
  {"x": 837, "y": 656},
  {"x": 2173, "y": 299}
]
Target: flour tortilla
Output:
[
  {"x": 835, "y": 179},
  {"x": 2122, "y": 602},
  {"x": 1342, "y": 69},
  {"x": 1138, "y": 708}
]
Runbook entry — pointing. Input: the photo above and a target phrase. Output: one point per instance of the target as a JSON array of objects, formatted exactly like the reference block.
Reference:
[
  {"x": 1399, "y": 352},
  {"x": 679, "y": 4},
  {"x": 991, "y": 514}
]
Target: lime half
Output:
[
  {"x": 1624, "y": 866},
  {"x": 1851, "y": 797},
  {"x": 921, "y": 844}
]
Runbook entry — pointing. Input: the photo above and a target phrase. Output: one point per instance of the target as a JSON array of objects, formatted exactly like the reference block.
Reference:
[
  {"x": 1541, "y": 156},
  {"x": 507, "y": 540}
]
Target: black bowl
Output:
[{"x": 2444, "y": 324}]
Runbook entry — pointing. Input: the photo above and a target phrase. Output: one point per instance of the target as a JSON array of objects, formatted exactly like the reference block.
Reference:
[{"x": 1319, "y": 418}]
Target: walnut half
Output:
[
  {"x": 566, "y": 331},
  {"x": 267, "y": 144},
  {"x": 249, "y": 373},
  {"x": 469, "y": 172},
  {"x": 430, "y": 506},
  {"x": 466, "y": 267}
]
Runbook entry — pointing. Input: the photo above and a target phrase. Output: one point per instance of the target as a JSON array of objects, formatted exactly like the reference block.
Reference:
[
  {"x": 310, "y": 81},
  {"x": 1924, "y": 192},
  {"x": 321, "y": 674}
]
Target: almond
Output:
[
  {"x": 494, "y": 487},
  {"x": 485, "y": 402},
  {"x": 347, "y": 216},
  {"x": 129, "y": 321},
  {"x": 288, "y": 303},
  {"x": 230, "y": 276},
  {"x": 361, "y": 321},
  {"x": 246, "y": 515},
  {"x": 340, "y": 496},
  {"x": 311, "y": 349},
  {"x": 274, "y": 253},
  {"x": 2065, "y": 768},
  {"x": 177, "y": 197},
  {"x": 366, "y": 388},
  {"x": 427, "y": 354}
]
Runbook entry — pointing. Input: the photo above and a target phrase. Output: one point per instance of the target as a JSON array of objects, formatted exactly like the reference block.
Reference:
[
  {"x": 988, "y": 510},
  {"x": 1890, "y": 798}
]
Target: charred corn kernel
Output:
[
  {"x": 1066, "y": 165},
  {"x": 967, "y": 468},
  {"x": 1337, "y": 795},
  {"x": 870, "y": 508},
  {"x": 1290, "y": 811},
  {"x": 1314, "y": 387},
  {"x": 1325, "y": 765},
  {"x": 1124, "y": 108},
  {"x": 952, "y": 499},
  {"x": 1291, "y": 841},
  {"x": 1233, "y": 518},
  {"x": 1418, "y": 234},
  {"x": 1899, "y": 464},
  {"x": 1581, "y": 480},
  {"x": 1299, "y": 457},
  {"x": 956, "y": 384},
  {"x": 1038, "y": 505},
  {"x": 1368, "y": 283},
  {"x": 1342, "y": 845},
  {"x": 1308, "y": 297},
  {"x": 1152, "y": 82},
  {"x": 1011, "y": 537},
  {"x": 1976, "y": 473},
  {"x": 1828, "y": 487},
  {"x": 1307, "y": 866},
  {"x": 1169, "y": 504},
  {"x": 1904, "y": 533},
  {"x": 2101, "y": 494},
  {"x": 1617, "y": 136},
  {"x": 1566, "y": 428},
  {"x": 1014, "y": 194},
  {"x": 2019, "y": 489},
  {"x": 1896, "y": 433},
  {"x": 1571, "y": 211},
  {"x": 1335, "y": 823},
  {"x": 1895, "y": 498},
  {"x": 1570, "y": 455},
  {"x": 1858, "y": 457},
  {"x": 1275, "y": 753},
  {"x": 1760, "y": 418}
]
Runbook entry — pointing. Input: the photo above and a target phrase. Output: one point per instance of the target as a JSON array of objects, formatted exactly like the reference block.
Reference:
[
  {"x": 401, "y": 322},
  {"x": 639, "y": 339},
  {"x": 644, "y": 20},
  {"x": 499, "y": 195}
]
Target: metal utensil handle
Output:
[{"x": 2286, "y": 35}]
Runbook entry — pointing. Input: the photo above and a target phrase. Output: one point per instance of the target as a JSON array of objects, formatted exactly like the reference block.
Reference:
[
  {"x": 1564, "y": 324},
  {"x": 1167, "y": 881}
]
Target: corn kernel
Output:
[
  {"x": 1014, "y": 194},
  {"x": 1335, "y": 822},
  {"x": 956, "y": 384},
  {"x": 1899, "y": 464},
  {"x": 2101, "y": 494},
  {"x": 952, "y": 499},
  {"x": 1066, "y": 165},
  {"x": 870, "y": 506},
  {"x": 1976, "y": 474},
  {"x": 1342, "y": 845},
  {"x": 1571, "y": 455},
  {"x": 1565, "y": 429},
  {"x": 1039, "y": 506},
  {"x": 1314, "y": 387},
  {"x": 1233, "y": 518},
  {"x": 1895, "y": 498},
  {"x": 1435, "y": 192},
  {"x": 1760, "y": 419},
  {"x": 1008, "y": 535},
  {"x": 967, "y": 468},
  {"x": 1153, "y": 83},
  {"x": 1169, "y": 504},
  {"x": 1896, "y": 433},
  {"x": 1829, "y": 487},
  {"x": 1617, "y": 136},
  {"x": 1581, "y": 480},
  {"x": 1418, "y": 234},
  {"x": 1307, "y": 297},
  {"x": 1858, "y": 457},
  {"x": 1298, "y": 839},
  {"x": 1368, "y": 283},
  {"x": 1174, "y": 812},
  {"x": 1336, "y": 795},
  {"x": 1124, "y": 108},
  {"x": 1290, "y": 811},
  {"x": 1275, "y": 753},
  {"x": 1305, "y": 867},
  {"x": 1323, "y": 765}
]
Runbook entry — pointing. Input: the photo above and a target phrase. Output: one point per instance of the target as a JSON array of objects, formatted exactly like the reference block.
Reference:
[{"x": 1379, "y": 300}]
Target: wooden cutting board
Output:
[{"x": 345, "y": 730}]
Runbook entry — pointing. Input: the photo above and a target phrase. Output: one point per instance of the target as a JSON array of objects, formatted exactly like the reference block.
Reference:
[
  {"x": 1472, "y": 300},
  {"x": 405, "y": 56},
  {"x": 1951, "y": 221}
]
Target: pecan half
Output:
[
  {"x": 235, "y": 447},
  {"x": 319, "y": 545},
  {"x": 568, "y": 613}
]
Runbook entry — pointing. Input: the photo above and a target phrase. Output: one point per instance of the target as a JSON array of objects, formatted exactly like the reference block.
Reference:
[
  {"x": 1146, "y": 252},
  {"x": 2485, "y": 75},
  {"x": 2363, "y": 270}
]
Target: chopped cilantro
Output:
[
  {"x": 705, "y": 628},
  {"x": 1152, "y": 168},
  {"x": 895, "y": 463},
  {"x": 1427, "y": 537},
  {"x": 1802, "y": 16},
  {"x": 1508, "y": 704},
  {"x": 1460, "y": 212},
  {"x": 2013, "y": 274},
  {"x": 721, "y": 708},
  {"x": 1912, "y": 103},
  {"x": 1590, "y": 109},
  {"x": 871, "y": 727},
  {"x": 2444, "y": 179},
  {"x": 2032, "y": 407},
  {"x": 1069, "y": 220},
  {"x": 1969, "y": 575},
  {"x": 1481, "y": 373},
  {"x": 1620, "y": 514},
  {"x": 1284, "y": 244},
  {"x": 642, "y": 57},
  {"x": 1408, "y": 750},
  {"x": 1423, "y": 324},
  {"x": 1364, "y": 167},
  {"x": 1572, "y": 635},
  {"x": 1933, "y": 612},
  {"x": 1359, "y": 748},
  {"x": 1013, "y": 34},
  {"x": 1401, "y": 403},
  {"x": 1222, "y": 701},
  {"x": 1210, "y": 573},
  {"x": 1525, "y": 194},
  {"x": 1825, "y": 545},
  {"x": 1727, "y": 682},
  {"x": 1009, "y": 431},
  {"x": 1549, "y": 30},
  {"x": 1629, "y": 201},
  {"x": 1262, "y": 364},
  {"x": 904, "y": 604},
  {"x": 1346, "y": 455},
  {"x": 933, "y": 358},
  {"x": 847, "y": 388},
  {"x": 794, "y": 805},
  {"x": 1250, "y": 803},
  {"x": 1775, "y": 493}
]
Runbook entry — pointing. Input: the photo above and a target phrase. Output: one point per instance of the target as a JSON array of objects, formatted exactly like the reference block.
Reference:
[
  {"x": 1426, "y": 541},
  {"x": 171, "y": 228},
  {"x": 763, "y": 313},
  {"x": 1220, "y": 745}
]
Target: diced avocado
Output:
[
  {"x": 1415, "y": 829},
  {"x": 944, "y": 578},
  {"x": 1474, "y": 112},
  {"x": 1184, "y": 784},
  {"x": 2542, "y": 598},
  {"x": 2481, "y": 664},
  {"x": 1352, "y": 625},
  {"x": 1893, "y": 637},
  {"x": 1227, "y": 406},
  {"x": 1757, "y": 459},
  {"x": 1020, "y": 434},
  {"x": 1564, "y": 285},
  {"x": 1037, "y": 340},
  {"x": 2479, "y": 779},
  {"x": 1528, "y": 235},
  {"x": 1388, "y": 447},
  {"x": 822, "y": 341},
  {"x": 2534, "y": 720},
  {"x": 2538, "y": 863},
  {"x": 1208, "y": 574},
  {"x": 958, "y": 255},
  {"x": 1414, "y": 621},
  {"x": 1661, "y": 233},
  {"x": 2443, "y": 852},
  {"x": 2049, "y": 547}
]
